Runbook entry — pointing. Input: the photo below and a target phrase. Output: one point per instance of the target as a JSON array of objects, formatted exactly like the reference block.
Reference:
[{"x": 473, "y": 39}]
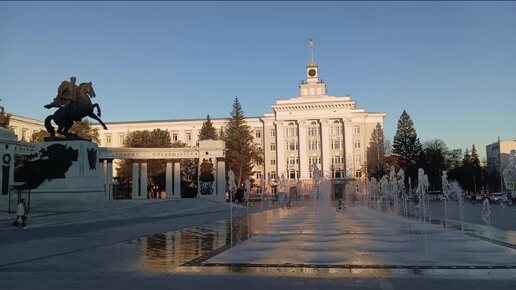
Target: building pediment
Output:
[{"x": 323, "y": 102}]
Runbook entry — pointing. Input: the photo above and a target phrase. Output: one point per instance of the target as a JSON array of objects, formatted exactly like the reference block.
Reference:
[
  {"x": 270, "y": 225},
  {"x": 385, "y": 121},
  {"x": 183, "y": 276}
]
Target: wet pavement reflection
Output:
[
  {"x": 318, "y": 240},
  {"x": 166, "y": 252}
]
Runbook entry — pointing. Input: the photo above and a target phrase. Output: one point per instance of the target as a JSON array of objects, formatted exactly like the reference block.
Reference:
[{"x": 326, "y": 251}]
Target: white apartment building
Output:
[
  {"x": 24, "y": 127},
  {"x": 497, "y": 155},
  {"x": 311, "y": 128}
]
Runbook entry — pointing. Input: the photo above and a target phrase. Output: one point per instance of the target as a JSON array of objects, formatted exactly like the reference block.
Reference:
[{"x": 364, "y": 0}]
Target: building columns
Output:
[
  {"x": 221, "y": 179},
  {"x": 136, "y": 181},
  {"x": 168, "y": 180},
  {"x": 325, "y": 148},
  {"x": 108, "y": 182},
  {"x": 143, "y": 181},
  {"x": 177, "y": 179},
  {"x": 280, "y": 150},
  {"x": 303, "y": 158},
  {"x": 348, "y": 152}
]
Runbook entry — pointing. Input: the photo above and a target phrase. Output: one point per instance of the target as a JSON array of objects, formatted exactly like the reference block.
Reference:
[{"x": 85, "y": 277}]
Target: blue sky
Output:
[{"x": 451, "y": 65}]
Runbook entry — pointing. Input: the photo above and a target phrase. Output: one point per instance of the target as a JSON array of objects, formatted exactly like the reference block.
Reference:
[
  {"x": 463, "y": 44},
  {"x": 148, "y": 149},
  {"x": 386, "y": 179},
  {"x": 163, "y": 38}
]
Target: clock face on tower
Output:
[{"x": 312, "y": 72}]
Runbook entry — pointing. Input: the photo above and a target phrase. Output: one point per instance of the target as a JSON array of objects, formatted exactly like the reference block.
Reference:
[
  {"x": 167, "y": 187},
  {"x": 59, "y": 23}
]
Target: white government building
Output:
[{"x": 312, "y": 128}]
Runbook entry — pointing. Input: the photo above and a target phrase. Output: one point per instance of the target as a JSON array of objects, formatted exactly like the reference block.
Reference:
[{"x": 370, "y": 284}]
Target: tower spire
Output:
[{"x": 311, "y": 40}]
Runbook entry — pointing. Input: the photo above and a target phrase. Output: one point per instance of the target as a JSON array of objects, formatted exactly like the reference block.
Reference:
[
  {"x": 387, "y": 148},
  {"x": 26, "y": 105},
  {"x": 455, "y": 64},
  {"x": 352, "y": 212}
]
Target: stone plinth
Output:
[{"x": 73, "y": 168}]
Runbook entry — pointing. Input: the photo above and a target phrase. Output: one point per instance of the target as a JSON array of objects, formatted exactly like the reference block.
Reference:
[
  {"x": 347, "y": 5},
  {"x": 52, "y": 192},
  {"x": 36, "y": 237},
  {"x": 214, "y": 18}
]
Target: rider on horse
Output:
[{"x": 66, "y": 93}]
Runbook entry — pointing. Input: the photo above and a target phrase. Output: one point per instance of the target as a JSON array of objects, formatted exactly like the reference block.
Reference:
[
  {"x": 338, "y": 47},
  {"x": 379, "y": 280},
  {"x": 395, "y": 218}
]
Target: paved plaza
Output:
[{"x": 184, "y": 244}]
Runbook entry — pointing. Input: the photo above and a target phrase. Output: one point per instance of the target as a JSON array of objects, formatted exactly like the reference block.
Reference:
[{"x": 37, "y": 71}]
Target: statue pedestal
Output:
[{"x": 73, "y": 168}]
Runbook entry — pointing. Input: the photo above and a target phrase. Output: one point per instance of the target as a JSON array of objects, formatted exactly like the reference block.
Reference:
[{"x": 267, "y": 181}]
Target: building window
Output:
[
  {"x": 292, "y": 145},
  {"x": 174, "y": 137},
  {"x": 358, "y": 159},
  {"x": 293, "y": 174},
  {"x": 291, "y": 132},
  {"x": 108, "y": 139},
  {"x": 335, "y": 144},
  {"x": 273, "y": 132},
  {"x": 337, "y": 159},
  {"x": 358, "y": 174},
  {"x": 313, "y": 144},
  {"x": 292, "y": 160},
  {"x": 258, "y": 134},
  {"x": 357, "y": 144},
  {"x": 259, "y": 175},
  {"x": 313, "y": 131},
  {"x": 272, "y": 175},
  {"x": 336, "y": 128},
  {"x": 356, "y": 130},
  {"x": 121, "y": 139},
  {"x": 273, "y": 161},
  {"x": 25, "y": 134},
  {"x": 188, "y": 136},
  {"x": 273, "y": 146},
  {"x": 314, "y": 160},
  {"x": 337, "y": 173}
]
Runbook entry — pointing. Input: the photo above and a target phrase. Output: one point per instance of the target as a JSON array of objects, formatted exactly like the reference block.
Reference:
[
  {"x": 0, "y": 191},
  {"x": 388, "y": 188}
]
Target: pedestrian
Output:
[{"x": 21, "y": 214}]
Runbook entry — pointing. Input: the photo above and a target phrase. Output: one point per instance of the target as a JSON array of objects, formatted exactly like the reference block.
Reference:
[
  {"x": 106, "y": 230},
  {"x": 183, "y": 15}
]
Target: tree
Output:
[
  {"x": 241, "y": 151},
  {"x": 476, "y": 169},
  {"x": 376, "y": 153},
  {"x": 155, "y": 168},
  {"x": 387, "y": 147},
  {"x": 82, "y": 128},
  {"x": 469, "y": 173},
  {"x": 5, "y": 118},
  {"x": 406, "y": 143},
  {"x": 39, "y": 136},
  {"x": 208, "y": 131},
  {"x": 433, "y": 160},
  {"x": 454, "y": 158}
]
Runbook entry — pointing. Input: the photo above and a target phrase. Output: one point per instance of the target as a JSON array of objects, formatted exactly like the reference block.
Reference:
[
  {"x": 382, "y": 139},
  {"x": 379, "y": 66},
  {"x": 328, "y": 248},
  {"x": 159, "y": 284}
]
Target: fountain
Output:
[
  {"x": 457, "y": 192},
  {"x": 232, "y": 192},
  {"x": 446, "y": 194},
  {"x": 422, "y": 194}
]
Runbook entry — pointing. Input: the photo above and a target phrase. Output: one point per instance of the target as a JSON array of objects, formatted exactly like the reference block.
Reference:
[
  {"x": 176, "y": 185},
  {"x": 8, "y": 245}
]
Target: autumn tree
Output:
[
  {"x": 83, "y": 129},
  {"x": 155, "y": 168}
]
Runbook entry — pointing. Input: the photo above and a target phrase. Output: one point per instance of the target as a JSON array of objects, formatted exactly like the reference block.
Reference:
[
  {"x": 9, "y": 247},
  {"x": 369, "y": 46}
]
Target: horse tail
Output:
[{"x": 49, "y": 126}]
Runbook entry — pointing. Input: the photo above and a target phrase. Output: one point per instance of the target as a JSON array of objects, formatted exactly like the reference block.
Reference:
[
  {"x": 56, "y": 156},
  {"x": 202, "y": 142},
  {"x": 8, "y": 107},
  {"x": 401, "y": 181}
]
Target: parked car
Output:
[{"x": 498, "y": 197}]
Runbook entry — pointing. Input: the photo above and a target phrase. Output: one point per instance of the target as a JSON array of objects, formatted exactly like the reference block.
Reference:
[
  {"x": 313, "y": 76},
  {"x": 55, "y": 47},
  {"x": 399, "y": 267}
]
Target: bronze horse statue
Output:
[{"x": 77, "y": 109}]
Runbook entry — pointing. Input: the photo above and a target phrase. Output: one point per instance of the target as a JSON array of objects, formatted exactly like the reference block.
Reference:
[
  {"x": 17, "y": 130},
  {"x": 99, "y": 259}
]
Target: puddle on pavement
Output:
[
  {"x": 166, "y": 252},
  {"x": 187, "y": 249}
]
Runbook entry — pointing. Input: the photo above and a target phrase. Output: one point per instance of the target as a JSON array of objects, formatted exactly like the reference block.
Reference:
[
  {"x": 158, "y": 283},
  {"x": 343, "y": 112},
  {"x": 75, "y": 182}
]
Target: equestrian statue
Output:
[{"x": 73, "y": 103}]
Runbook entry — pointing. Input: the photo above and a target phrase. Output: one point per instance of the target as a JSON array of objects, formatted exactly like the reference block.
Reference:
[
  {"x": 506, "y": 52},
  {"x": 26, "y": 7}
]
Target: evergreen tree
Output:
[
  {"x": 241, "y": 151},
  {"x": 476, "y": 169},
  {"x": 475, "y": 161},
  {"x": 208, "y": 131},
  {"x": 406, "y": 143},
  {"x": 376, "y": 153}
]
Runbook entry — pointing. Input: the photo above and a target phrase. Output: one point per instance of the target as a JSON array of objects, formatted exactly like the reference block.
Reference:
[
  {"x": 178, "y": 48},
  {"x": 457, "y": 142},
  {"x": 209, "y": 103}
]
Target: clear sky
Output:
[{"x": 451, "y": 65}]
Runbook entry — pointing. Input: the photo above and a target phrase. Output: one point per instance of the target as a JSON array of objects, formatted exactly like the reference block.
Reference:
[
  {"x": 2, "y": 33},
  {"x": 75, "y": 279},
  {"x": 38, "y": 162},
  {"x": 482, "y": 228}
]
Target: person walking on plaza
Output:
[{"x": 21, "y": 214}]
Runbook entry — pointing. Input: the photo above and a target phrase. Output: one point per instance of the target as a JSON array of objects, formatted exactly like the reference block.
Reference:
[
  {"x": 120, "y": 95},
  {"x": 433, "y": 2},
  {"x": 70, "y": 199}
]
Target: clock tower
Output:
[{"x": 313, "y": 86}]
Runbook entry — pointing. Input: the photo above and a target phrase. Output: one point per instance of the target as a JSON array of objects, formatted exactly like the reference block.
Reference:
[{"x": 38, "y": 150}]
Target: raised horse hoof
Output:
[
  {"x": 48, "y": 106},
  {"x": 105, "y": 128}
]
